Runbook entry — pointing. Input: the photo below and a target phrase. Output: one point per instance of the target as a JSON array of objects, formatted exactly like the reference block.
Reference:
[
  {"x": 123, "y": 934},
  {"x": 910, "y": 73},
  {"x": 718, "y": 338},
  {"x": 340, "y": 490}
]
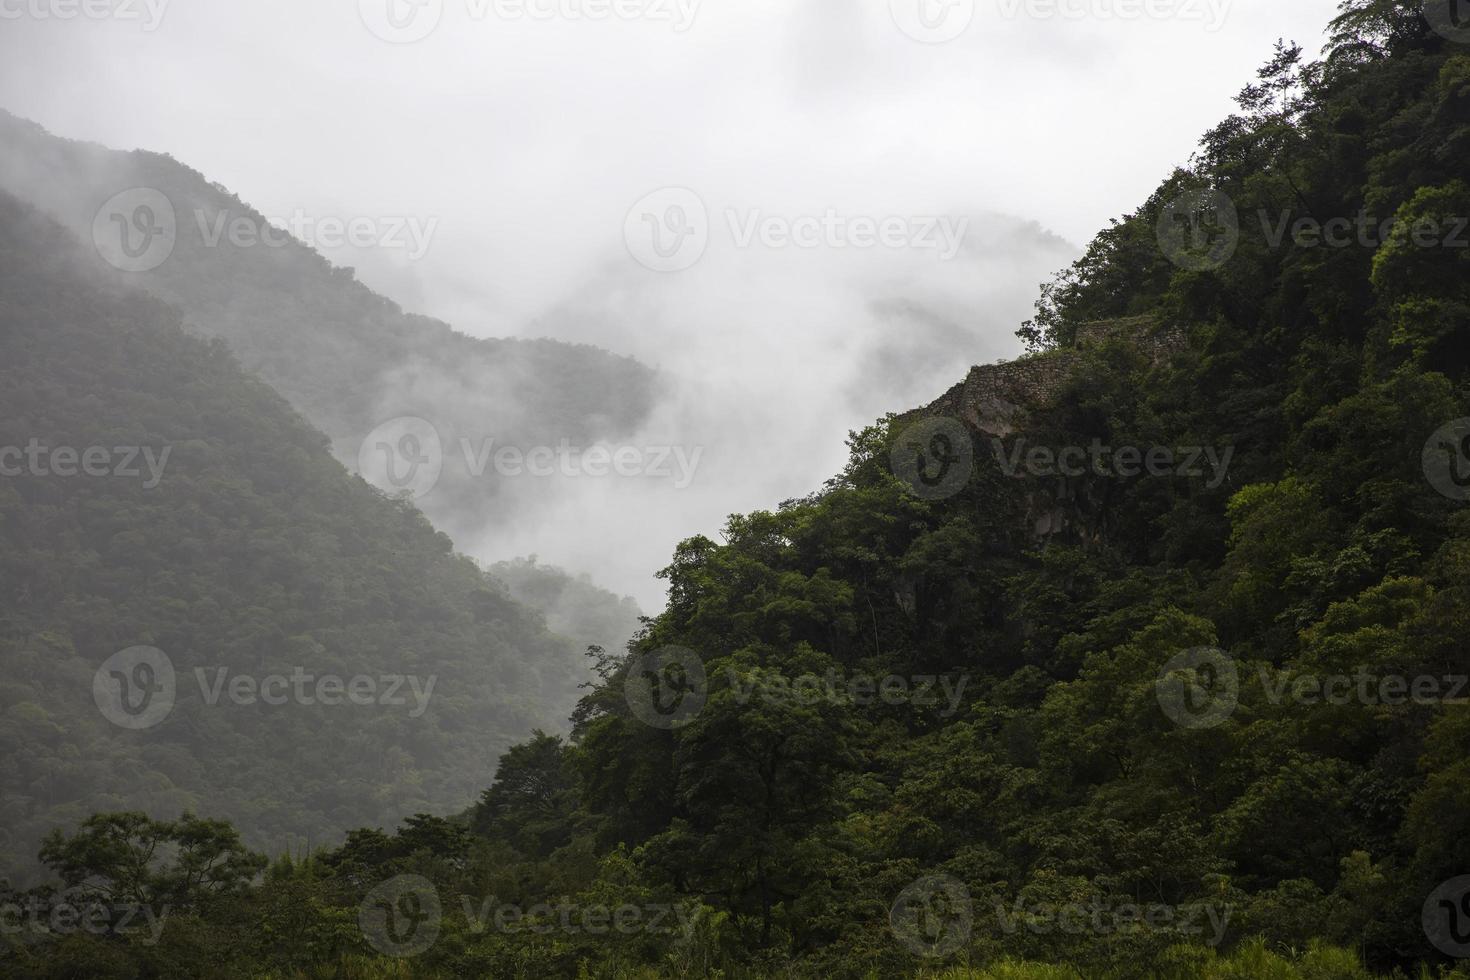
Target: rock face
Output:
[
  {"x": 994, "y": 400},
  {"x": 994, "y": 397}
]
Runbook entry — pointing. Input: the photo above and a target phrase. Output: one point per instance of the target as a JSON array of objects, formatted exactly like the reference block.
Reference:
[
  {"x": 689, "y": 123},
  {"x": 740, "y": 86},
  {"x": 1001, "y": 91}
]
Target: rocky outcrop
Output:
[
  {"x": 994, "y": 397},
  {"x": 994, "y": 400}
]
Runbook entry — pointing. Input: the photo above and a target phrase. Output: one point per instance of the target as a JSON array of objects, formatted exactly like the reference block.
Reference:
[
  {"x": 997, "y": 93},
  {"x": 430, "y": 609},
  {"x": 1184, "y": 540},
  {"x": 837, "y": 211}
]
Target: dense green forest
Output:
[
  {"x": 902, "y": 727},
  {"x": 347, "y": 358},
  {"x": 213, "y": 524}
]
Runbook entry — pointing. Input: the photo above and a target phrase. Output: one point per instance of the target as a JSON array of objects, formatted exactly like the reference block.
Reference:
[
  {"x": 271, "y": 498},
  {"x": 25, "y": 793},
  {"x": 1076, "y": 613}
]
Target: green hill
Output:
[
  {"x": 246, "y": 547},
  {"x": 347, "y": 358},
  {"x": 1140, "y": 656}
]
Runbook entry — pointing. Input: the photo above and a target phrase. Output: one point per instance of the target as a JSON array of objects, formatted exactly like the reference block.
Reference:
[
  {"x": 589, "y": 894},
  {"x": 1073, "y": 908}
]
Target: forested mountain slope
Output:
[
  {"x": 1227, "y": 677},
  {"x": 211, "y": 523},
  {"x": 345, "y": 357},
  {"x": 1189, "y": 704}
]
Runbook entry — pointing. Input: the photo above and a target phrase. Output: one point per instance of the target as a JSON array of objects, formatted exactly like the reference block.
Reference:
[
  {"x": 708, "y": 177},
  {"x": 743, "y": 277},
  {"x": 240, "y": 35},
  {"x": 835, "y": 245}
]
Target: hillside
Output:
[
  {"x": 1139, "y": 656},
  {"x": 346, "y": 358},
  {"x": 217, "y": 528}
]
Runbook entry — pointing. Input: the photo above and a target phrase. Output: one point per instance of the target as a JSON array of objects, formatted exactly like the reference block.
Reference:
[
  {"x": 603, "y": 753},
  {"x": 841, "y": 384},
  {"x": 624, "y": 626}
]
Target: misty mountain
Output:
[
  {"x": 348, "y": 359},
  {"x": 157, "y": 496}
]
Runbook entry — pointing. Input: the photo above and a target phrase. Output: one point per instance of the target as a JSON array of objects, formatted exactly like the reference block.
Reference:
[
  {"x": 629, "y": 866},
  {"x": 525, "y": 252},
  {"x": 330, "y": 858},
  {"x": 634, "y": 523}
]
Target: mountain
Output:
[
  {"x": 573, "y": 606},
  {"x": 157, "y": 496},
  {"x": 348, "y": 359},
  {"x": 1138, "y": 656}
]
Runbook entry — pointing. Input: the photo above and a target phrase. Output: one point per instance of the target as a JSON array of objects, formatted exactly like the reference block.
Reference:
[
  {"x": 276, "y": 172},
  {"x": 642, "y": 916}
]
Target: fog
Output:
[{"x": 537, "y": 157}]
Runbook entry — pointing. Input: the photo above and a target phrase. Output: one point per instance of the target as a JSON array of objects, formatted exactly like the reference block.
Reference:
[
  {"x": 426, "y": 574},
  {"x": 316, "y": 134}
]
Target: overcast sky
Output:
[{"x": 520, "y": 134}]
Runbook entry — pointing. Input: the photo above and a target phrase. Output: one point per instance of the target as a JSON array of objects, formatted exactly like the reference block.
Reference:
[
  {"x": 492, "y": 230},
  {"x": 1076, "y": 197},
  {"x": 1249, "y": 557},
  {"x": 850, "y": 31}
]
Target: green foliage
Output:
[
  {"x": 256, "y": 553},
  {"x": 1291, "y": 835}
]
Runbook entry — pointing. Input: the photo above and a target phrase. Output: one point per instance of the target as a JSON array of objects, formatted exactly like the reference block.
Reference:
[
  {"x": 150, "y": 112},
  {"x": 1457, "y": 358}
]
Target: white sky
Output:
[{"x": 529, "y": 140}]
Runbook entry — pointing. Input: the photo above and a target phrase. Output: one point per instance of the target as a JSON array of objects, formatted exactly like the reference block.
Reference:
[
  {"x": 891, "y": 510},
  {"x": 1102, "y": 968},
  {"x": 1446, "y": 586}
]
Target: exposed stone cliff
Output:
[{"x": 994, "y": 396}]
